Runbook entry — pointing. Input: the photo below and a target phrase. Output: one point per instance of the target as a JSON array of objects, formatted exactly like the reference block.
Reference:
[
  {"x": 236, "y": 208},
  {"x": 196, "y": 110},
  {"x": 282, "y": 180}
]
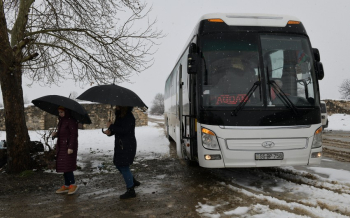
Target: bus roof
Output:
[{"x": 271, "y": 20}]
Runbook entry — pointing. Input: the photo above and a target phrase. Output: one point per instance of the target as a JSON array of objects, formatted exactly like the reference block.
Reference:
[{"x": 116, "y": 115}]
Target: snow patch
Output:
[
  {"x": 333, "y": 174},
  {"x": 339, "y": 122},
  {"x": 237, "y": 211}
]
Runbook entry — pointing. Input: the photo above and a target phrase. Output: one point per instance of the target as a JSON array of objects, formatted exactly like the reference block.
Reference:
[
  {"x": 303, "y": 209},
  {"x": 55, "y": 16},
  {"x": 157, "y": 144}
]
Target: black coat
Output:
[{"x": 125, "y": 140}]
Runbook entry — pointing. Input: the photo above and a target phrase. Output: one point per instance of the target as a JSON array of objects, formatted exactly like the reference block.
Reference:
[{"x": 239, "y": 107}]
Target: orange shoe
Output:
[
  {"x": 72, "y": 189},
  {"x": 63, "y": 189}
]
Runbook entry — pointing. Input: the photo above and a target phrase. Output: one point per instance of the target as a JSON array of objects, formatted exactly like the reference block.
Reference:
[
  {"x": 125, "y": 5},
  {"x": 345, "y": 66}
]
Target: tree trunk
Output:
[{"x": 17, "y": 138}]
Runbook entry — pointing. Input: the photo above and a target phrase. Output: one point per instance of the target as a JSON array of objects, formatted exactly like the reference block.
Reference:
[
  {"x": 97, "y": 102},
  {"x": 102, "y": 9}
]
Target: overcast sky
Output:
[{"x": 326, "y": 23}]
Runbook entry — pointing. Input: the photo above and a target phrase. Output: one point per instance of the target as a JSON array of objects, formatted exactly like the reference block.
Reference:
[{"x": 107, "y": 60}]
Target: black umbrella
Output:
[
  {"x": 113, "y": 95},
  {"x": 50, "y": 104}
]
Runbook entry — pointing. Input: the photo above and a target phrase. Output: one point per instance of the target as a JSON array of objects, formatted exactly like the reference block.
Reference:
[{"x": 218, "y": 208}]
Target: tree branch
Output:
[
  {"x": 86, "y": 40},
  {"x": 30, "y": 57},
  {"x": 21, "y": 21},
  {"x": 17, "y": 48}
]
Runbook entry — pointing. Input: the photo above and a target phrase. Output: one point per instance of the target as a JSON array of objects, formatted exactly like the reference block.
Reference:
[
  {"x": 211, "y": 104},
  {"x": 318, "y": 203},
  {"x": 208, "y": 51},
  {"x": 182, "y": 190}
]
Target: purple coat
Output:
[{"x": 67, "y": 137}]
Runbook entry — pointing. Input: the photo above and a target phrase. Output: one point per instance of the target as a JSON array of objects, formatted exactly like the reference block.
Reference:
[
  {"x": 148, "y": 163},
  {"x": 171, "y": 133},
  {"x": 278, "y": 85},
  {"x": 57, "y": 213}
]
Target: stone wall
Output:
[
  {"x": 101, "y": 113},
  {"x": 337, "y": 106},
  {"x": 38, "y": 119}
]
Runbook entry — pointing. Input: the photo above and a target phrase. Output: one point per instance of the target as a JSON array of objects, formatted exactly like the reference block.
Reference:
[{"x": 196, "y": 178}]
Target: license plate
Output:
[{"x": 269, "y": 156}]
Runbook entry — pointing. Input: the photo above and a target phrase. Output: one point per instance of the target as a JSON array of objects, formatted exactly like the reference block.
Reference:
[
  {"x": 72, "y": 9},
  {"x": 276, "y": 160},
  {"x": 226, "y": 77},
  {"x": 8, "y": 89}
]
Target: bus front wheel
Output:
[{"x": 190, "y": 163}]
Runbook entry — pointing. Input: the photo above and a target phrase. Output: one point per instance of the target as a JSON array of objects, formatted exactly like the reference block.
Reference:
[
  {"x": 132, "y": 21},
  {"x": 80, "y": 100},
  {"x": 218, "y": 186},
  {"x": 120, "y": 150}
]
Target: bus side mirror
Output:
[
  {"x": 319, "y": 65},
  {"x": 192, "y": 63},
  {"x": 316, "y": 54},
  {"x": 320, "y": 72}
]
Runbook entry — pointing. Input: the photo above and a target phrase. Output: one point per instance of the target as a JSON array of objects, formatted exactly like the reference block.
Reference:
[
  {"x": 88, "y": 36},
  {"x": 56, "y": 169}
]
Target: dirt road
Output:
[{"x": 171, "y": 188}]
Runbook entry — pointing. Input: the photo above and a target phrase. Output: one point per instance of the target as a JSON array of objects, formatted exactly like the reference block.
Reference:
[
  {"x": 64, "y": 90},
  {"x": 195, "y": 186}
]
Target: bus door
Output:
[
  {"x": 188, "y": 119},
  {"x": 182, "y": 117}
]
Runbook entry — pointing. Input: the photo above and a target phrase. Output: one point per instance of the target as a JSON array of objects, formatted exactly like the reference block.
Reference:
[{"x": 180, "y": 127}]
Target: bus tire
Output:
[{"x": 189, "y": 162}]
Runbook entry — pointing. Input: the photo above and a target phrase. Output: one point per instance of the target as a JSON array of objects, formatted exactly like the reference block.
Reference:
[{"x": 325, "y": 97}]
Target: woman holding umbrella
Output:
[
  {"x": 66, "y": 149},
  {"x": 69, "y": 113},
  {"x": 123, "y": 128},
  {"x": 124, "y": 146}
]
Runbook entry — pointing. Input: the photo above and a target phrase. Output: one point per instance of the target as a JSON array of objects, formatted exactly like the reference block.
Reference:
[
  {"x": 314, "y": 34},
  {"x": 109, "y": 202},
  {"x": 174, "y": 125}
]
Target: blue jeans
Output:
[
  {"x": 128, "y": 177},
  {"x": 68, "y": 178}
]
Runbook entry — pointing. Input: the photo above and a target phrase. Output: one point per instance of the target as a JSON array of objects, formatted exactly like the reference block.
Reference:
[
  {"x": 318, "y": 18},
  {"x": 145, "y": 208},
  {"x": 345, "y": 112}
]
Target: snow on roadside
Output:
[
  {"x": 150, "y": 140},
  {"x": 333, "y": 174},
  {"x": 207, "y": 210},
  {"x": 253, "y": 211},
  {"x": 262, "y": 211},
  {"x": 98, "y": 148},
  {"x": 339, "y": 122}
]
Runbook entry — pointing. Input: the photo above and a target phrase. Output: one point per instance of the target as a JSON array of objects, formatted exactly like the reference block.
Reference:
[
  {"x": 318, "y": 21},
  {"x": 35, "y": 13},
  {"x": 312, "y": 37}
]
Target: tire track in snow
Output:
[
  {"x": 300, "y": 208},
  {"x": 307, "y": 178},
  {"x": 310, "y": 192}
]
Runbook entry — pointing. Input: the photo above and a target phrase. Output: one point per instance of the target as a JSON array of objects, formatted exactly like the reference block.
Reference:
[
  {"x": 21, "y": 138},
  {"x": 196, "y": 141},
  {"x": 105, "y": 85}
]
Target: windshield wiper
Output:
[
  {"x": 284, "y": 98},
  {"x": 246, "y": 98}
]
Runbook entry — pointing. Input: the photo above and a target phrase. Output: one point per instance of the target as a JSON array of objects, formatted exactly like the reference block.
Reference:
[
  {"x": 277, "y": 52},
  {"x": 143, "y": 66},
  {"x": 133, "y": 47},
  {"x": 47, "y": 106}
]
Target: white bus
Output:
[{"x": 244, "y": 93}]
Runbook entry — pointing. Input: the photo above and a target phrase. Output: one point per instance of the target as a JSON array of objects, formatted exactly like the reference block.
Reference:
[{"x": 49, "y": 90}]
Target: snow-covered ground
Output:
[
  {"x": 98, "y": 148},
  {"x": 339, "y": 122},
  {"x": 326, "y": 186}
]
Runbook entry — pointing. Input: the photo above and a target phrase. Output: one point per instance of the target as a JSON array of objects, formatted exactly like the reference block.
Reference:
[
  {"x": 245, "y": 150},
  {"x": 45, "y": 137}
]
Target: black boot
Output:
[
  {"x": 136, "y": 183},
  {"x": 130, "y": 193}
]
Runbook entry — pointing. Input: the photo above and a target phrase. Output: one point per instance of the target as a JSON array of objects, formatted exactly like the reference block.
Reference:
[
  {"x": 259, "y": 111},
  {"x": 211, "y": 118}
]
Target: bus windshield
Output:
[
  {"x": 232, "y": 66},
  {"x": 288, "y": 63}
]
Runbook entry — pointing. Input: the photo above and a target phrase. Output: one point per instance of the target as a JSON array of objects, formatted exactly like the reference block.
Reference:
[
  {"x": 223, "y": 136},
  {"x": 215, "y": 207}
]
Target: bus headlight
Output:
[
  {"x": 209, "y": 140},
  {"x": 317, "y": 142}
]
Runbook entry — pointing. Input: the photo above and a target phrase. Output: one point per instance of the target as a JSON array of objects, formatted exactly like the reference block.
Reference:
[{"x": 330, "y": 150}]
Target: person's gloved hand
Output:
[
  {"x": 107, "y": 132},
  {"x": 54, "y": 135},
  {"x": 70, "y": 151}
]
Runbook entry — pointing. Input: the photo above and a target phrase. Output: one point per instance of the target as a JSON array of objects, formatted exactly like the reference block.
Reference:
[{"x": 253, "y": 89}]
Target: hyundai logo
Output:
[{"x": 268, "y": 144}]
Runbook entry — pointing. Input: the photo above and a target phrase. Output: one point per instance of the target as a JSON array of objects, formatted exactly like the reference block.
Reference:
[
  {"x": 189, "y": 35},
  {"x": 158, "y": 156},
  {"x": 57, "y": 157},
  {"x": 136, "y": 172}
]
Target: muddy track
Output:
[
  {"x": 336, "y": 143},
  {"x": 336, "y": 134},
  {"x": 336, "y": 148},
  {"x": 337, "y": 155}
]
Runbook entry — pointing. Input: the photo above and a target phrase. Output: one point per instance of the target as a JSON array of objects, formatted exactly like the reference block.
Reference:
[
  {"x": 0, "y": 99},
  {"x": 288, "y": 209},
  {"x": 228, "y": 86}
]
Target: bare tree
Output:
[
  {"x": 51, "y": 40},
  {"x": 344, "y": 89},
  {"x": 158, "y": 105}
]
